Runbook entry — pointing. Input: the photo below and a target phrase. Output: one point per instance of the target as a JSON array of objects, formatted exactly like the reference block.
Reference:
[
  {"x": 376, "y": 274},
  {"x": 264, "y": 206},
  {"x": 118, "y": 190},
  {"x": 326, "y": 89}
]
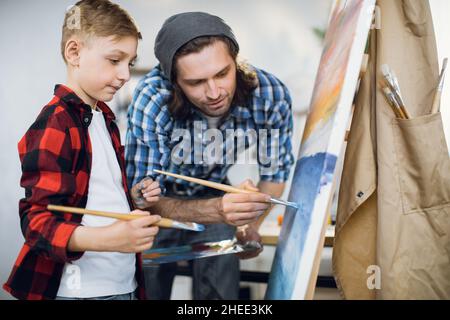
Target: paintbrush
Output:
[
  {"x": 393, "y": 85},
  {"x": 391, "y": 100},
  {"x": 163, "y": 223},
  {"x": 390, "y": 77},
  {"x": 224, "y": 187},
  {"x": 437, "y": 95}
]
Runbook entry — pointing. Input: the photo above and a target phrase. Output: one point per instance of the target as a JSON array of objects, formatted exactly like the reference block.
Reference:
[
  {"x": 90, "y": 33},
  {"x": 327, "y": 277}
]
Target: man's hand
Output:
[
  {"x": 145, "y": 193},
  {"x": 245, "y": 234},
  {"x": 242, "y": 208}
]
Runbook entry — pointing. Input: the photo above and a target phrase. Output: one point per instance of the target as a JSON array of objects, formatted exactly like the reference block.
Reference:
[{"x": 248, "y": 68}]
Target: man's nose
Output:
[{"x": 212, "y": 90}]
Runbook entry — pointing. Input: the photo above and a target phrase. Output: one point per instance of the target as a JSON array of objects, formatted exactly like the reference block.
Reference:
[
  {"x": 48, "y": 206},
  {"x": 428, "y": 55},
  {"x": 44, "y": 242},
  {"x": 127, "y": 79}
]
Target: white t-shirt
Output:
[
  {"x": 213, "y": 122},
  {"x": 211, "y": 160},
  {"x": 98, "y": 274}
]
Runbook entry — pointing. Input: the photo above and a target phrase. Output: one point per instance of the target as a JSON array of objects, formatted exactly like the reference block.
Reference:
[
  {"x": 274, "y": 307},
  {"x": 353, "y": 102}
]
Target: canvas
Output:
[{"x": 294, "y": 269}]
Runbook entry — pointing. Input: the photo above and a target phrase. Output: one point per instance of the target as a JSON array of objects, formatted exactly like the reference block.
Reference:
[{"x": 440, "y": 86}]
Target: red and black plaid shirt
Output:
[{"x": 56, "y": 157}]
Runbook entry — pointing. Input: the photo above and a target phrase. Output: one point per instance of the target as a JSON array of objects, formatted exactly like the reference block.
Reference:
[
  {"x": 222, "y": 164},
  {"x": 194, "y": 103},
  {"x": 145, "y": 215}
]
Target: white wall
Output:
[
  {"x": 440, "y": 10},
  {"x": 30, "y": 66}
]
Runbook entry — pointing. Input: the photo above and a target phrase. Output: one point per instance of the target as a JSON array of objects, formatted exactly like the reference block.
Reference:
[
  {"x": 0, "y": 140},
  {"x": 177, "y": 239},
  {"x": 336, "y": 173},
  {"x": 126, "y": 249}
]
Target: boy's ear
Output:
[{"x": 72, "y": 52}]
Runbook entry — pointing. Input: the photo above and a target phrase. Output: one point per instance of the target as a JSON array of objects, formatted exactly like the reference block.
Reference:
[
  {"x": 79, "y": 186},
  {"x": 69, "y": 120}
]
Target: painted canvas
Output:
[{"x": 295, "y": 265}]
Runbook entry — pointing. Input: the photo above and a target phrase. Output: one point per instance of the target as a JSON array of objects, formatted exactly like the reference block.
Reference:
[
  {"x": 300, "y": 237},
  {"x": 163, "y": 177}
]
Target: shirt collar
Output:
[{"x": 68, "y": 96}]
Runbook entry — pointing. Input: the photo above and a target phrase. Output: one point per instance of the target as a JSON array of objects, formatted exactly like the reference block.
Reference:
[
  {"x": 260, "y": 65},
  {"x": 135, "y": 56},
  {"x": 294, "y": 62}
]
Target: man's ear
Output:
[{"x": 72, "y": 51}]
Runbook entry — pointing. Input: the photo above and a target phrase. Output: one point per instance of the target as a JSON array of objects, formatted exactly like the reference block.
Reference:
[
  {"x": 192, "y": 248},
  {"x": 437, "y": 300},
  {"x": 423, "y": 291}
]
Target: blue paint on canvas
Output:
[{"x": 311, "y": 174}]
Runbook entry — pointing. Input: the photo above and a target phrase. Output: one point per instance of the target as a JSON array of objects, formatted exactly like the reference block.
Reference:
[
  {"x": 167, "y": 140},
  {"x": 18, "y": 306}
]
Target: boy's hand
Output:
[
  {"x": 242, "y": 208},
  {"x": 133, "y": 235},
  {"x": 145, "y": 193}
]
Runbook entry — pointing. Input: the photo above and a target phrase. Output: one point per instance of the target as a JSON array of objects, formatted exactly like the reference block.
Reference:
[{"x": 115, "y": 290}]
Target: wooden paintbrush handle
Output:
[
  {"x": 214, "y": 185},
  {"x": 436, "y": 103},
  {"x": 164, "y": 222},
  {"x": 114, "y": 215}
]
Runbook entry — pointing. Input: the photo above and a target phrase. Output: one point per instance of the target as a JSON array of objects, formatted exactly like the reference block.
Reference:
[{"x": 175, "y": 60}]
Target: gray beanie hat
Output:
[{"x": 181, "y": 28}]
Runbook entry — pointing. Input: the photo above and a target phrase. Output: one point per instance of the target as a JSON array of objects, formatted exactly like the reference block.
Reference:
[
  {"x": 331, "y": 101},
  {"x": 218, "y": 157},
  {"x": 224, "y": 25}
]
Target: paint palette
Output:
[{"x": 196, "y": 251}]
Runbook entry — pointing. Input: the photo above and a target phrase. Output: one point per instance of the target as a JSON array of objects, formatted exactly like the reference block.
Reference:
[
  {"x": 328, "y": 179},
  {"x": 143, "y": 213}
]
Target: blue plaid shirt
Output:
[{"x": 155, "y": 140}]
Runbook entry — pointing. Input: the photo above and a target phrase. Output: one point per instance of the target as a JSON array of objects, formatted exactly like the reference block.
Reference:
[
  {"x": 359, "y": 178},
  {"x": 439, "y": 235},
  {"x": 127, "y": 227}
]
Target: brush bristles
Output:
[{"x": 385, "y": 70}]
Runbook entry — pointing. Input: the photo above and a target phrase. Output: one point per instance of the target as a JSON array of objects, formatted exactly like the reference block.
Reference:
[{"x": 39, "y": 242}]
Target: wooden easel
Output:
[
  {"x": 317, "y": 259},
  {"x": 376, "y": 24}
]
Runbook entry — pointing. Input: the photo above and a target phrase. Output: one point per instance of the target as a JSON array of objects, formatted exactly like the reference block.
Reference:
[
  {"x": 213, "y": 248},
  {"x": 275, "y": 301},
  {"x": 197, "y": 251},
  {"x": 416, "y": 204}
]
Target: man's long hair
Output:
[{"x": 246, "y": 79}]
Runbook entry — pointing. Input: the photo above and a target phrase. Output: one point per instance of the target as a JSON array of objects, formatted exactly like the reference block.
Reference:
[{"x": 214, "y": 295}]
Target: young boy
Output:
[{"x": 72, "y": 156}]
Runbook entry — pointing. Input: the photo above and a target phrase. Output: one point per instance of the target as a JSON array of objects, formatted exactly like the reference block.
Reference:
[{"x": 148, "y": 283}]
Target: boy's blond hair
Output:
[{"x": 100, "y": 18}]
